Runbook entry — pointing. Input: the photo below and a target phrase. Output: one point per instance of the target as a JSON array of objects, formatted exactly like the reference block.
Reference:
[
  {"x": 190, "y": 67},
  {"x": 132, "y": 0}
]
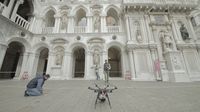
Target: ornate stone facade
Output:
[{"x": 150, "y": 39}]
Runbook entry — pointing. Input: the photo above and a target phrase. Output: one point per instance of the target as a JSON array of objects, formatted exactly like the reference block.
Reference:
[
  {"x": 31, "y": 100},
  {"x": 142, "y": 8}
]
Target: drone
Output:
[{"x": 102, "y": 93}]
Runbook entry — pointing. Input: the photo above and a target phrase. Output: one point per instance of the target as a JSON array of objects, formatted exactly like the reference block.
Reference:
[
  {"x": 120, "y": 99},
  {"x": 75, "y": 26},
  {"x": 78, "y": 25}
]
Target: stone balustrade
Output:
[
  {"x": 189, "y": 3},
  {"x": 47, "y": 30},
  {"x": 21, "y": 21},
  {"x": 80, "y": 29},
  {"x": 113, "y": 29},
  {"x": 82, "y": 1}
]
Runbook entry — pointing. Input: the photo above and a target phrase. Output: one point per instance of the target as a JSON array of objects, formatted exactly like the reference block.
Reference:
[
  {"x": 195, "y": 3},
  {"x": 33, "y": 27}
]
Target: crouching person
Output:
[{"x": 34, "y": 87}]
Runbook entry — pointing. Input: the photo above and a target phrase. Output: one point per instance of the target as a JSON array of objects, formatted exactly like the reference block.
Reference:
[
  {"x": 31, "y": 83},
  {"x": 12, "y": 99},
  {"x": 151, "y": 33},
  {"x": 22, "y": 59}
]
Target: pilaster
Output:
[
  {"x": 57, "y": 23},
  {"x": 89, "y": 24},
  {"x": 132, "y": 65},
  {"x": 70, "y": 28},
  {"x": 67, "y": 65},
  {"x": 149, "y": 32},
  {"x": 103, "y": 23},
  {"x": 127, "y": 18},
  {"x": 50, "y": 62},
  {"x": 3, "y": 49}
]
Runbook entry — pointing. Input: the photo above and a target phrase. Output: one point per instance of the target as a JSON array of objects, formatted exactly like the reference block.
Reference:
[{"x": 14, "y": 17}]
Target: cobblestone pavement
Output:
[{"x": 73, "y": 96}]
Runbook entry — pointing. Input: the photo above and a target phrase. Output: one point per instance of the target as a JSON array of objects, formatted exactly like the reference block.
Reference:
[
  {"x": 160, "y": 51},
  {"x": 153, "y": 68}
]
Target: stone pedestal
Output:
[{"x": 176, "y": 68}]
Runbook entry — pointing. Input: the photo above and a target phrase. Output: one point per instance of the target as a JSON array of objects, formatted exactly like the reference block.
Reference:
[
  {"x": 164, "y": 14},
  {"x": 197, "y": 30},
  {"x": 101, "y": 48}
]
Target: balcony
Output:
[
  {"x": 80, "y": 29},
  {"x": 111, "y": 29},
  {"x": 21, "y": 21},
  {"x": 48, "y": 30}
]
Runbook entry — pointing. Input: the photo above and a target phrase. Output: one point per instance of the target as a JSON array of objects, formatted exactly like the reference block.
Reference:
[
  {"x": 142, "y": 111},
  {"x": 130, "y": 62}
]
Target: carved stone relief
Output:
[
  {"x": 59, "y": 53},
  {"x": 176, "y": 62}
]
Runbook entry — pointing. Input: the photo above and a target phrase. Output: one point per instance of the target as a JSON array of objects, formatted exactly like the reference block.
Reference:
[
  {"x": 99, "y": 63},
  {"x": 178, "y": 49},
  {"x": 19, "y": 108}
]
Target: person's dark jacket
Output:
[{"x": 36, "y": 82}]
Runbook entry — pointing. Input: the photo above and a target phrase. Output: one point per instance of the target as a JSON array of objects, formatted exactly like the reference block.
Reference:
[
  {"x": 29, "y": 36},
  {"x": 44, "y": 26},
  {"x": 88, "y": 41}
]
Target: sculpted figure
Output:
[
  {"x": 167, "y": 41},
  {"x": 184, "y": 32},
  {"x": 59, "y": 56},
  {"x": 96, "y": 57},
  {"x": 97, "y": 23}
]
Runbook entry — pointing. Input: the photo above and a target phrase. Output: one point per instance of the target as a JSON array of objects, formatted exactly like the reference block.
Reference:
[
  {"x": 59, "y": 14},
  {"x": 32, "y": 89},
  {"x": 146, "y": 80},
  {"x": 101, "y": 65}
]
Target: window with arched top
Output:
[
  {"x": 81, "y": 18},
  {"x": 112, "y": 18},
  {"x": 49, "y": 19}
]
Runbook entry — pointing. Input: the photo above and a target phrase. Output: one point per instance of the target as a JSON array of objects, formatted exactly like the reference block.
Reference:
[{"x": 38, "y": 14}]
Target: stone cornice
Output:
[
  {"x": 186, "y": 46},
  {"x": 141, "y": 46}
]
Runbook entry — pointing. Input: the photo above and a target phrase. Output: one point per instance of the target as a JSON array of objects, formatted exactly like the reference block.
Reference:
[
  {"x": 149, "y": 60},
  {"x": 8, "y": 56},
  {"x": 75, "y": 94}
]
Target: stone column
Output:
[
  {"x": 89, "y": 74},
  {"x": 24, "y": 65},
  {"x": 19, "y": 66},
  {"x": 50, "y": 62},
  {"x": 30, "y": 65},
  {"x": 128, "y": 27},
  {"x": 70, "y": 28},
  {"x": 132, "y": 65},
  {"x": 3, "y": 48},
  {"x": 193, "y": 34},
  {"x": 35, "y": 64},
  {"x": 38, "y": 25},
  {"x": 67, "y": 65},
  {"x": 103, "y": 23},
  {"x": 89, "y": 24},
  {"x": 7, "y": 12},
  {"x": 57, "y": 23},
  {"x": 32, "y": 23},
  {"x": 16, "y": 8},
  {"x": 176, "y": 31},
  {"x": 154, "y": 59},
  {"x": 149, "y": 31}
]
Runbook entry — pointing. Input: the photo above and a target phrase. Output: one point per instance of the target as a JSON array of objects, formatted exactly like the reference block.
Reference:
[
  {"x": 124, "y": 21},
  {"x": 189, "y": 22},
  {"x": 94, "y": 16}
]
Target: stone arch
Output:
[
  {"x": 39, "y": 46},
  {"x": 41, "y": 51},
  {"x": 117, "y": 44},
  {"x": 115, "y": 60},
  {"x": 12, "y": 61},
  {"x": 80, "y": 17},
  {"x": 77, "y": 44},
  {"x": 48, "y": 9},
  {"x": 112, "y": 18},
  {"x": 73, "y": 12},
  {"x": 78, "y": 58},
  {"x": 27, "y": 45},
  {"x": 117, "y": 9}
]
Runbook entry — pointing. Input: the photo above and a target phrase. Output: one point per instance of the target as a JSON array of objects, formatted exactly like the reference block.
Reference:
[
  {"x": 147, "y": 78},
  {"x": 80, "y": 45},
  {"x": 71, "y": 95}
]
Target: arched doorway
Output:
[
  {"x": 12, "y": 63},
  {"x": 79, "y": 62},
  {"x": 42, "y": 61},
  {"x": 114, "y": 58}
]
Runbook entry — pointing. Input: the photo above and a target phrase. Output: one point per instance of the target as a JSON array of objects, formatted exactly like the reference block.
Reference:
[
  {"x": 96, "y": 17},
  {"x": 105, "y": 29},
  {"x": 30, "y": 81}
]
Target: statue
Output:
[
  {"x": 64, "y": 22},
  {"x": 59, "y": 56},
  {"x": 96, "y": 57},
  {"x": 167, "y": 41},
  {"x": 139, "y": 36},
  {"x": 184, "y": 32},
  {"x": 97, "y": 23}
]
